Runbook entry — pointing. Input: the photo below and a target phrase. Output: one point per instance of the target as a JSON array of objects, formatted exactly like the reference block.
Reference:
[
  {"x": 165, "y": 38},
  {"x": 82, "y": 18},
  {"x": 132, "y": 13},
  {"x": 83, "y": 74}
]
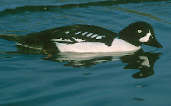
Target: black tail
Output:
[{"x": 10, "y": 37}]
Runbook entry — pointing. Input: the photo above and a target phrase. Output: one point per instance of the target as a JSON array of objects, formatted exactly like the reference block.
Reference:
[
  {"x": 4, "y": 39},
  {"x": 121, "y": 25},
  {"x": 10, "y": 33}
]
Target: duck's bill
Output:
[{"x": 154, "y": 43}]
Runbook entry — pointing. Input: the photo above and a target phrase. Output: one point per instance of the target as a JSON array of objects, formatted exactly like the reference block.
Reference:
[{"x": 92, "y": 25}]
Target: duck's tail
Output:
[{"x": 9, "y": 37}]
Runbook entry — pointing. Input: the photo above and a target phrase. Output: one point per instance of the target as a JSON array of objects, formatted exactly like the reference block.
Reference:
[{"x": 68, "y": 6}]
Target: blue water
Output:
[{"x": 28, "y": 79}]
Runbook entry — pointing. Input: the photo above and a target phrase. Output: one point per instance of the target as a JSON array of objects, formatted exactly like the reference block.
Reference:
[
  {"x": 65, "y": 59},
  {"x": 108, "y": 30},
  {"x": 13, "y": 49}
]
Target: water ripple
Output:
[{"x": 51, "y": 8}]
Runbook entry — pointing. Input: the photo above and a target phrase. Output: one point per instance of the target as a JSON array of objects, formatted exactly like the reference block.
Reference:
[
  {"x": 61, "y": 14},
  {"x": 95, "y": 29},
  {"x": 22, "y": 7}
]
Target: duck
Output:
[{"x": 80, "y": 38}]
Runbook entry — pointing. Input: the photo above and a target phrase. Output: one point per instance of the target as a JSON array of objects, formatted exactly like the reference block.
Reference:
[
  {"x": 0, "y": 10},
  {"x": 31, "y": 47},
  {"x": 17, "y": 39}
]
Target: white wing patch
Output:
[
  {"x": 77, "y": 33},
  {"x": 60, "y": 40},
  {"x": 78, "y": 40},
  {"x": 91, "y": 35},
  {"x": 95, "y": 35},
  {"x": 99, "y": 37},
  {"x": 88, "y": 35},
  {"x": 67, "y": 32},
  {"x": 84, "y": 33},
  {"x": 67, "y": 40}
]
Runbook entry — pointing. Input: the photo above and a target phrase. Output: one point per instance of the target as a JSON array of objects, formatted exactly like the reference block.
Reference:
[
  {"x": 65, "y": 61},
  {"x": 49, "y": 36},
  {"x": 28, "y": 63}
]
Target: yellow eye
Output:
[{"x": 139, "y": 31}]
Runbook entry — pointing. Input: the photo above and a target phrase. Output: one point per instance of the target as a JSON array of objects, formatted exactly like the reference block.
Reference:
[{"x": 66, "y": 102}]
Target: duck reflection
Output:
[
  {"x": 143, "y": 61},
  {"x": 140, "y": 60}
]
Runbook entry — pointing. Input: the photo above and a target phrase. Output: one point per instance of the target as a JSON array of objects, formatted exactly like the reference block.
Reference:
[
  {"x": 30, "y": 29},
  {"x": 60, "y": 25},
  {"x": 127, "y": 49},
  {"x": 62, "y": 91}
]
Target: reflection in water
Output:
[
  {"x": 54, "y": 8},
  {"x": 139, "y": 13},
  {"x": 86, "y": 59},
  {"x": 143, "y": 61},
  {"x": 140, "y": 60}
]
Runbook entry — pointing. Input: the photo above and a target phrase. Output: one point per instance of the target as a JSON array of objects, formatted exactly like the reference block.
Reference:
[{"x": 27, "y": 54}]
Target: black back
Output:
[{"x": 69, "y": 34}]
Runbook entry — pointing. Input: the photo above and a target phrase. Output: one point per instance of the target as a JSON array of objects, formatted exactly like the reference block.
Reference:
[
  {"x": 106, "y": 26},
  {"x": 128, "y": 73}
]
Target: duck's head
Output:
[{"x": 139, "y": 33}]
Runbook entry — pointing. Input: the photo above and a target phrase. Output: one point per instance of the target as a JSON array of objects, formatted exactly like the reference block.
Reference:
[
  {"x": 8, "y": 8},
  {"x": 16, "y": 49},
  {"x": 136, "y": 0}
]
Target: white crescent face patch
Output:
[{"x": 146, "y": 37}]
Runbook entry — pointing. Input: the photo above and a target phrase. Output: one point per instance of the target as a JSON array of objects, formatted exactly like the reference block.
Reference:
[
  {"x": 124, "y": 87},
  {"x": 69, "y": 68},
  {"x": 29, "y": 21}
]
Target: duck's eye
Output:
[{"x": 139, "y": 31}]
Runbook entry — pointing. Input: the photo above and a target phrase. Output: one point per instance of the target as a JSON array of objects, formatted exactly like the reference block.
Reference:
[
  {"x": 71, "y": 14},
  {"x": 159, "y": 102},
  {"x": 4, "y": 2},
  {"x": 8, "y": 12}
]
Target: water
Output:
[{"x": 28, "y": 79}]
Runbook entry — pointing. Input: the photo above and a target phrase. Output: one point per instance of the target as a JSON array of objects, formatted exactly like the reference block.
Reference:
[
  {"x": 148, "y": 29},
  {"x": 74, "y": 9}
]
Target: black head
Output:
[{"x": 139, "y": 33}]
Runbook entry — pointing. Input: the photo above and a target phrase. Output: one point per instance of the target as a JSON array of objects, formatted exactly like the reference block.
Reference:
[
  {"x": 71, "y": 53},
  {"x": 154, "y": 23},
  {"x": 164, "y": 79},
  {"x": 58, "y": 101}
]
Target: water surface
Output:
[{"x": 29, "y": 79}]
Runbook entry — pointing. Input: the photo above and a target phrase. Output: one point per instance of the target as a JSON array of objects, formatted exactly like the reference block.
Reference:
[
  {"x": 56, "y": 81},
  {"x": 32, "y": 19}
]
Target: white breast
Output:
[{"x": 118, "y": 45}]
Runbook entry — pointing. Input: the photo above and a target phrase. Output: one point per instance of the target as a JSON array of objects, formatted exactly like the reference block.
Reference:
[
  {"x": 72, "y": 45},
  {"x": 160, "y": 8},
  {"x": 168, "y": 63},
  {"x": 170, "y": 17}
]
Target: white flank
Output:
[
  {"x": 146, "y": 37},
  {"x": 118, "y": 45}
]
